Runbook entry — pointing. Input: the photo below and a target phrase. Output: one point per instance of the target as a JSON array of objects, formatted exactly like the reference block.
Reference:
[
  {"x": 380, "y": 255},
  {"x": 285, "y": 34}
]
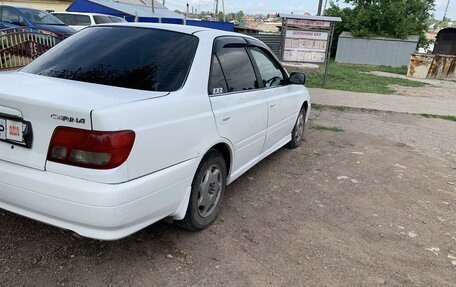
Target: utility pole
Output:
[
  {"x": 153, "y": 6},
  {"x": 446, "y": 10},
  {"x": 324, "y": 8},
  {"x": 320, "y": 5},
  {"x": 163, "y": 3},
  {"x": 216, "y": 9},
  {"x": 188, "y": 9},
  {"x": 224, "y": 14}
]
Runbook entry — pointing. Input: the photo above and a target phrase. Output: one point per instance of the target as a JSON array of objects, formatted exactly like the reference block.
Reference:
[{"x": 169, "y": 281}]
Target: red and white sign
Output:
[
  {"x": 307, "y": 35},
  {"x": 309, "y": 23}
]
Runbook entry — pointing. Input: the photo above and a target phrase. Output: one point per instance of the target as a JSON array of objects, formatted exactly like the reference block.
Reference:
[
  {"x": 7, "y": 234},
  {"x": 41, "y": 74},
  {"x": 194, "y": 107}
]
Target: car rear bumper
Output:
[{"x": 94, "y": 210}]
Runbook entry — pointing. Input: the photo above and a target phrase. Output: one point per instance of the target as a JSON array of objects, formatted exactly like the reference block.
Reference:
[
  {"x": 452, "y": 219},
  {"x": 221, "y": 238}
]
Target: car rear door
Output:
[
  {"x": 283, "y": 99},
  {"x": 239, "y": 106}
]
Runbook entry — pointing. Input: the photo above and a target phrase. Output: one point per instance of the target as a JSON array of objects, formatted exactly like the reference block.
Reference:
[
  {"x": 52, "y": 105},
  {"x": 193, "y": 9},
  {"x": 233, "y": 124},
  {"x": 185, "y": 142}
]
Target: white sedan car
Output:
[
  {"x": 80, "y": 20},
  {"x": 123, "y": 125}
]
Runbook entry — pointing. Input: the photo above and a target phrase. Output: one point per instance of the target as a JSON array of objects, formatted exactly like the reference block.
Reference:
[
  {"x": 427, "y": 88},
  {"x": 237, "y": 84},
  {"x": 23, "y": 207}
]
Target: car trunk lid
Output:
[{"x": 32, "y": 106}]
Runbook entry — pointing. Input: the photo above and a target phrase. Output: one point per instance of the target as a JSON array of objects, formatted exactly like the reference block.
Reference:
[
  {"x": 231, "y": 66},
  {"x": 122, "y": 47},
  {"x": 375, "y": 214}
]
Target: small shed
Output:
[
  {"x": 445, "y": 42},
  {"x": 377, "y": 51},
  {"x": 441, "y": 64}
]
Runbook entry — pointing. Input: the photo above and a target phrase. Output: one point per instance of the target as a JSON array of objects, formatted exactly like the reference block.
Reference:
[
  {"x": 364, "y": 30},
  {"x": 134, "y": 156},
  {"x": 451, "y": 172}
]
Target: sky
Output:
[{"x": 281, "y": 6}]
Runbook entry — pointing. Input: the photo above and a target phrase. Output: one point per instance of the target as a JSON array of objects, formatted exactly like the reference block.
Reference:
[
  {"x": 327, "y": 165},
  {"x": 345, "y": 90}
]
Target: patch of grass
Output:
[
  {"x": 344, "y": 108},
  {"x": 340, "y": 108},
  {"x": 317, "y": 107},
  {"x": 366, "y": 110},
  {"x": 355, "y": 78},
  {"x": 331, "y": 129},
  {"x": 448, "y": 118}
]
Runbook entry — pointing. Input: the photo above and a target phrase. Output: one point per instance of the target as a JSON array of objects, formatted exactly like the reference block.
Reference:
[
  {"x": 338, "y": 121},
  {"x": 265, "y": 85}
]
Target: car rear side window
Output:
[
  {"x": 217, "y": 83},
  {"x": 129, "y": 57},
  {"x": 101, "y": 19},
  {"x": 238, "y": 68}
]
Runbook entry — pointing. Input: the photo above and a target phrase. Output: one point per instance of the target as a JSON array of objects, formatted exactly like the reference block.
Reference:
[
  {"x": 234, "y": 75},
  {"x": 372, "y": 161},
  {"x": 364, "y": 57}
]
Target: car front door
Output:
[
  {"x": 283, "y": 99},
  {"x": 239, "y": 106}
]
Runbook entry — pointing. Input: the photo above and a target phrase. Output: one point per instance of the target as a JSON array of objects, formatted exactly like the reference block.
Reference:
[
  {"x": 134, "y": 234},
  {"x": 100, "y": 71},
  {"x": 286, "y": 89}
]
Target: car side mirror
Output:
[{"x": 297, "y": 78}]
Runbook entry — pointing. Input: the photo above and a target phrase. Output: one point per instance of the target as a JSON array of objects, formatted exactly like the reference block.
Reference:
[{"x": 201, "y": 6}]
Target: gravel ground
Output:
[{"x": 373, "y": 205}]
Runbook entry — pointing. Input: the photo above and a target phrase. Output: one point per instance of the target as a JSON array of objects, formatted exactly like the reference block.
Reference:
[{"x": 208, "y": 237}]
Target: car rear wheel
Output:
[
  {"x": 297, "y": 136},
  {"x": 208, "y": 190}
]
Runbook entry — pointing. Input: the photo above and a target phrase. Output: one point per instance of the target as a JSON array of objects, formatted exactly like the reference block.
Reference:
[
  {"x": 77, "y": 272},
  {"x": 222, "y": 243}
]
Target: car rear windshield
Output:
[{"x": 128, "y": 57}]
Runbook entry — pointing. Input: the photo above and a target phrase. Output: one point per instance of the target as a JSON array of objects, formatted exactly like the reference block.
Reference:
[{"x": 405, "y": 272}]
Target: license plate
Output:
[{"x": 14, "y": 131}]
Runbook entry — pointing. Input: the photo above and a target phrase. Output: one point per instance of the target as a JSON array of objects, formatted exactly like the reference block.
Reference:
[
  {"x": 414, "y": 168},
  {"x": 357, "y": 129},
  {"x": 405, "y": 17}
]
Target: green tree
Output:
[
  {"x": 240, "y": 16},
  {"x": 383, "y": 18},
  {"x": 220, "y": 17}
]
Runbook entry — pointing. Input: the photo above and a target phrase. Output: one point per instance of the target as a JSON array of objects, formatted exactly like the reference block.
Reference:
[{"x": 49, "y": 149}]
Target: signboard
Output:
[
  {"x": 309, "y": 23},
  {"x": 307, "y": 39},
  {"x": 308, "y": 46}
]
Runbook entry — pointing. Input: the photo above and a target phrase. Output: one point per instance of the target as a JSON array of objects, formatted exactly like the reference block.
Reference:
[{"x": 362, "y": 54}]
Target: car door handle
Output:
[
  {"x": 226, "y": 119},
  {"x": 273, "y": 106}
]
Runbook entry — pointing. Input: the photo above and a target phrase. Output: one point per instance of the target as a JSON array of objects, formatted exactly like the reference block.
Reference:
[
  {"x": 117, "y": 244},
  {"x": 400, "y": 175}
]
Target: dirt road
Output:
[{"x": 373, "y": 205}]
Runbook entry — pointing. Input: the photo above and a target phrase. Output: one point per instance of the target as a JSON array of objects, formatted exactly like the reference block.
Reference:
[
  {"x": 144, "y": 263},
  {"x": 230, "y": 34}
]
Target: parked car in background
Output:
[
  {"x": 105, "y": 144},
  {"x": 81, "y": 20},
  {"x": 116, "y": 19},
  {"x": 12, "y": 17}
]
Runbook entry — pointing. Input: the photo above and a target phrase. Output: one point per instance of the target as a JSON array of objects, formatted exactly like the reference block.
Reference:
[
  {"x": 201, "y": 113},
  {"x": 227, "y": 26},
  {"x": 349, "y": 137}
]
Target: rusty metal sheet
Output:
[{"x": 425, "y": 66}]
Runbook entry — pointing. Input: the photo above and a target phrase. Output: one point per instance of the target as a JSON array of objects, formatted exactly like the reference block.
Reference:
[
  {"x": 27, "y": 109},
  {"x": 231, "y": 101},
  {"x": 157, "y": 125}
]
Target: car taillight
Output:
[{"x": 90, "y": 149}]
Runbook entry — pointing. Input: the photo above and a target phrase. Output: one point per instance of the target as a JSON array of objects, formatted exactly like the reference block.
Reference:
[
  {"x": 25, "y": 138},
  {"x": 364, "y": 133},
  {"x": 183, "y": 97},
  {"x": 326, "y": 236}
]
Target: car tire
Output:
[
  {"x": 297, "y": 135},
  {"x": 208, "y": 190}
]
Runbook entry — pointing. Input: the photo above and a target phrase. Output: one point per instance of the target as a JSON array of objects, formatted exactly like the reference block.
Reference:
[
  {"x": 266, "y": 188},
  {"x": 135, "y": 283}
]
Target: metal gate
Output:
[{"x": 19, "y": 46}]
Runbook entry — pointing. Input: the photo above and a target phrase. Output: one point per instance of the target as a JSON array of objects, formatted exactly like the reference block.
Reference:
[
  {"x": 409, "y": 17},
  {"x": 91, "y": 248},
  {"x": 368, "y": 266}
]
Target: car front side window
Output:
[
  {"x": 270, "y": 72},
  {"x": 11, "y": 15},
  {"x": 82, "y": 20}
]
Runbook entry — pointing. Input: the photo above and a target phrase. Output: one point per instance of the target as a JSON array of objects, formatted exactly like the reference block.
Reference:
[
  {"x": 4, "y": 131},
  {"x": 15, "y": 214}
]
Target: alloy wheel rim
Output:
[
  {"x": 299, "y": 127},
  {"x": 209, "y": 191}
]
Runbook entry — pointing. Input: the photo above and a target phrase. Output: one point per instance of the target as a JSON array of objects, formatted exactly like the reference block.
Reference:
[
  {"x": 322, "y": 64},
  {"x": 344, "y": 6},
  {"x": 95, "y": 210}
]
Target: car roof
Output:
[{"x": 187, "y": 29}]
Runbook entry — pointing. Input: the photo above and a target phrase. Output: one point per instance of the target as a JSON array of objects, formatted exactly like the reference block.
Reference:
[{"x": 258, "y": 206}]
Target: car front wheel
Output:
[{"x": 297, "y": 136}]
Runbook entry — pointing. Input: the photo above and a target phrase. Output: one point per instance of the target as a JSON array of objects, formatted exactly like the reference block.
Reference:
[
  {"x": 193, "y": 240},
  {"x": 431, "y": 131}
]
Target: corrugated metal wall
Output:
[
  {"x": 273, "y": 41},
  {"x": 375, "y": 51}
]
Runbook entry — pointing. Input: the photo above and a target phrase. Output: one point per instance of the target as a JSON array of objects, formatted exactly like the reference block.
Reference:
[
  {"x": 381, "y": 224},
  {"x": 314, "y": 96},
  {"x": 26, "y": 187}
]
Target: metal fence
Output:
[
  {"x": 20, "y": 46},
  {"x": 273, "y": 41},
  {"x": 375, "y": 51}
]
